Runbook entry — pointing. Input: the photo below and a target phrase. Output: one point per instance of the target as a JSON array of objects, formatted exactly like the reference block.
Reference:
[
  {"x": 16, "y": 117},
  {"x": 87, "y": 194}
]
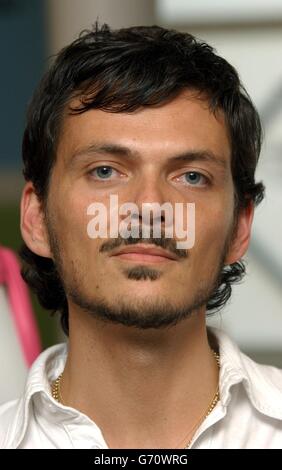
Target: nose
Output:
[
  {"x": 149, "y": 188},
  {"x": 150, "y": 194}
]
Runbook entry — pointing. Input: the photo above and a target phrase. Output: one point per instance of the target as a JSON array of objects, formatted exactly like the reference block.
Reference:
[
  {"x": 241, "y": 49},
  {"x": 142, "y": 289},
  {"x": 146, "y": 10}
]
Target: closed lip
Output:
[{"x": 147, "y": 250}]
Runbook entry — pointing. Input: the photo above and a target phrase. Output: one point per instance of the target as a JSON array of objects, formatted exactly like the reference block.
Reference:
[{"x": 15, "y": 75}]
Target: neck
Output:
[{"x": 156, "y": 384}]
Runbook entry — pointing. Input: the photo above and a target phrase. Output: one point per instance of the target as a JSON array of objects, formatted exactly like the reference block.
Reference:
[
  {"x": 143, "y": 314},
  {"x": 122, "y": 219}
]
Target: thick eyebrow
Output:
[
  {"x": 200, "y": 155},
  {"x": 123, "y": 151}
]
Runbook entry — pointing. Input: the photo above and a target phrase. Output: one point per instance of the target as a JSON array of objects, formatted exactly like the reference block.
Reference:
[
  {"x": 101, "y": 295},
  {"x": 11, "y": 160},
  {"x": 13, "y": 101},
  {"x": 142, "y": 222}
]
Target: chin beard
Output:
[{"x": 138, "y": 313}]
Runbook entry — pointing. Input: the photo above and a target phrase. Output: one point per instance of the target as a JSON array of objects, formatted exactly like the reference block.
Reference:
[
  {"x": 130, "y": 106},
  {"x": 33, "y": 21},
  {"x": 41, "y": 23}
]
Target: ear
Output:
[
  {"x": 242, "y": 234},
  {"x": 33, "y": 227}
]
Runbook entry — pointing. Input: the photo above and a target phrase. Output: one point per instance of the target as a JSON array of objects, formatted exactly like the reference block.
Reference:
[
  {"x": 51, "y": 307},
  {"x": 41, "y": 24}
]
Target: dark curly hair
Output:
[{"x": 120, "y": 71}]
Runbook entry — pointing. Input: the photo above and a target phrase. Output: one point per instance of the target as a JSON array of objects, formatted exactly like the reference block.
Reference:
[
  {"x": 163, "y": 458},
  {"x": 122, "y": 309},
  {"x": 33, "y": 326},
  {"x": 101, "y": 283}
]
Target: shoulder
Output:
[{"x": 8, "y": 417}]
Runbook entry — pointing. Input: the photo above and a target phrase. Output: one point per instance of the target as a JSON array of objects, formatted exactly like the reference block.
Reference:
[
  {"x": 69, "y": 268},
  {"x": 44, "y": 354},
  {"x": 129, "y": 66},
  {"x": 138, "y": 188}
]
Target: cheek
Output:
[
  {"x": 213, "y": 225},
  {"x": 71, "y": 219}
]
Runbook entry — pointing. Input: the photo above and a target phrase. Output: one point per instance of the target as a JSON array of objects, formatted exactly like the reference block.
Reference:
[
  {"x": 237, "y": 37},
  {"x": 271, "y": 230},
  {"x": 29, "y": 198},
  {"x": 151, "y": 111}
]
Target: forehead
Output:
[{"x": 185, "y": 123}]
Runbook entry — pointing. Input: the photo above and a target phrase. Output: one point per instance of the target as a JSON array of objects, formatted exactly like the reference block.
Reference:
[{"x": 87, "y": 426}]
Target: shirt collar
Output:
[
  {"x": 48, "y": 365},
  {"x": 263, "y": 384}
]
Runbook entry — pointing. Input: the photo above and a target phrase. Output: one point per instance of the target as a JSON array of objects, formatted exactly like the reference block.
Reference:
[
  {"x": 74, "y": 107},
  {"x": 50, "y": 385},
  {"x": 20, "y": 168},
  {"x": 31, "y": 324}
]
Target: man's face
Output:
[{"x": 130, "y": 291}]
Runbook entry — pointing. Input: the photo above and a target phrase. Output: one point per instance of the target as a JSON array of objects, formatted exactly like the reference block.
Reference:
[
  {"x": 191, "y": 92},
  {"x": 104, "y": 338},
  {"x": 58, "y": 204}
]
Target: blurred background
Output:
[{"x": 248, "y": 33}]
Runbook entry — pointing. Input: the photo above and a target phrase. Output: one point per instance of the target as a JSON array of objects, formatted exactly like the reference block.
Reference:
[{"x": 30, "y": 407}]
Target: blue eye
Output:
[
  {"x": 103, "y": 172},
  {"x": 194, "y": 178}
]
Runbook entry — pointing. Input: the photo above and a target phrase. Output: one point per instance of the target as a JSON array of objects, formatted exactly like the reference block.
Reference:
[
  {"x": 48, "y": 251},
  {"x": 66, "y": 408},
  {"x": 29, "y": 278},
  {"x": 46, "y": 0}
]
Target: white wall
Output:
[
  {"x": 218, "y": 10},
  {"x": 66, "y": 18}
]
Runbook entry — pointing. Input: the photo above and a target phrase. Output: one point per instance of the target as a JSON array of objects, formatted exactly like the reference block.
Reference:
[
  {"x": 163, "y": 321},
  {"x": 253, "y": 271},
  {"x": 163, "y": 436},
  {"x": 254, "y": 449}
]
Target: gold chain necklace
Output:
[
  {"x": 56, "y": 390},
  {"x": 211, "y": 406},
  {"x": 56, "y": 394}
]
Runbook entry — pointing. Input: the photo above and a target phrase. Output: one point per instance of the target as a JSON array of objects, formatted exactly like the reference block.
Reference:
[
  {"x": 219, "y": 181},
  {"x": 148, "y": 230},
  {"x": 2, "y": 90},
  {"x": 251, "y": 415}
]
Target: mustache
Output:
[{"x": 165, "y": 243}]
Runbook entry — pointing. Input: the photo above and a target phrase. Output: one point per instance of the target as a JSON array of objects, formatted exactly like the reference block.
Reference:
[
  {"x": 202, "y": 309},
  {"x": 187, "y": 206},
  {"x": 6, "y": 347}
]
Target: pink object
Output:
[{"x": 21, "y": 309}]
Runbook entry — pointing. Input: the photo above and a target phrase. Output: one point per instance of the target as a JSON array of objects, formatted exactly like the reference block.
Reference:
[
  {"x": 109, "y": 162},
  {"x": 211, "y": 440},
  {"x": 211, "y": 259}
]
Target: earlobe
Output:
[
  {"x": 33, "y": 227},
  {"x": 242, "y": 234}
]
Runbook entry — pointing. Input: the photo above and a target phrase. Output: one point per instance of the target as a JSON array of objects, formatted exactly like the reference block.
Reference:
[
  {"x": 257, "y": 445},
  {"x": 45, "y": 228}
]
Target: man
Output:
[{"x": 150, "y": 116}]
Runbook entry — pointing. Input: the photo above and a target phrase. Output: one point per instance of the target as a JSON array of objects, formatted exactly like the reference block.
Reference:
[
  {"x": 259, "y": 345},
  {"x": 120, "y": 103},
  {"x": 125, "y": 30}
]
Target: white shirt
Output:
[{"x": 248, "y": 415}]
